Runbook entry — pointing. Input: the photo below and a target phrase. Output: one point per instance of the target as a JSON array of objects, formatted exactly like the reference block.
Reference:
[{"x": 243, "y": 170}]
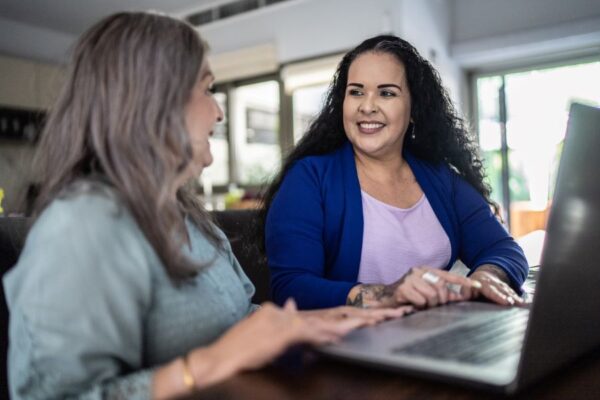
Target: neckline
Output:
[{"x": 391, "y": 207}]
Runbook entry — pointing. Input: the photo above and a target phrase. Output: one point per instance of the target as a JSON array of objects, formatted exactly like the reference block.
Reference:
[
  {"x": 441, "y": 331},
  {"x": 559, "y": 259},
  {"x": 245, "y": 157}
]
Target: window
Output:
[
  {"x": 522, "y": 119},
  {"x": 255, "y": 131},
  {"x": 263, "y": 118},
  {"x": 218, "y": 172},
  {"x": 307, "y": 102}
]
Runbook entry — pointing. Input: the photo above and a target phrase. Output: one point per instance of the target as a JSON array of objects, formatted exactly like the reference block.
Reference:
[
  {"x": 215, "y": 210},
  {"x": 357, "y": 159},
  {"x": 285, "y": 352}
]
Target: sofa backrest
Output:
[
  {"x": 12, "y": 238},
  {"x": 235, "y": 223}
]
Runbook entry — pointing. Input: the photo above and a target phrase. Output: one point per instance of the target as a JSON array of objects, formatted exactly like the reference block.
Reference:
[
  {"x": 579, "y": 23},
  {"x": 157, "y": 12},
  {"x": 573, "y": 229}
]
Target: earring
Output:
[{"x": 412, "y": 131}]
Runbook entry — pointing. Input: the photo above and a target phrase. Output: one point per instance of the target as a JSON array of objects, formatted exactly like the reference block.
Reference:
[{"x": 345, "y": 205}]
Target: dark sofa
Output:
[{"x": 234, "y": 223}]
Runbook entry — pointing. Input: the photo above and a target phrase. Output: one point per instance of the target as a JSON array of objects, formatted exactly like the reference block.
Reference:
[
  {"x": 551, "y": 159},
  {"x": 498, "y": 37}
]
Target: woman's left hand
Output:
[
  {"x": 370, "y": 316},
  {"x": 494, "y": 286}
]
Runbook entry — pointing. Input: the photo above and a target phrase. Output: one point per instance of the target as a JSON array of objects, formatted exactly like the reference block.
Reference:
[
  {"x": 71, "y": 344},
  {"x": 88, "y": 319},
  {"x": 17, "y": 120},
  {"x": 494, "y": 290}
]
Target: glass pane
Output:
[
  {"x": 537, "y": 107},
  {"x": 489, "y": 132},
  {"x": 307, "y": 102},
  {"x": 537, "y": 110},
  {"x": 255, "y": 131},
  {"x": 218, "y": 172}
]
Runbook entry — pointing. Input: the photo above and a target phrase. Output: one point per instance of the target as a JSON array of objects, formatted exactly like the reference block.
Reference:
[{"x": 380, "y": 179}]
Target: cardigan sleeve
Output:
[
  {"x": 295, "y": 243},
  {"x": 77, "y": 298},
  {"x": 483, "y": 239}
]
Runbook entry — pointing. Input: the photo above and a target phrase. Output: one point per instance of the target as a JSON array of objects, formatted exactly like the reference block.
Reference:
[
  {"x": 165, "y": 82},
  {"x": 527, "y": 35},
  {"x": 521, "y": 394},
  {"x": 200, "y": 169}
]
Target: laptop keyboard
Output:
[{"x": 484, "y": 342}]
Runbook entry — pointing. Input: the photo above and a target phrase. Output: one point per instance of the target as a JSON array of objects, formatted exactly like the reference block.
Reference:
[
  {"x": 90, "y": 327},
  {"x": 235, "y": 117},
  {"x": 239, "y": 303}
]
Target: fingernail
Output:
[
  {"x": 476, "y": 284},
  {"x": 510, "y": 300}
]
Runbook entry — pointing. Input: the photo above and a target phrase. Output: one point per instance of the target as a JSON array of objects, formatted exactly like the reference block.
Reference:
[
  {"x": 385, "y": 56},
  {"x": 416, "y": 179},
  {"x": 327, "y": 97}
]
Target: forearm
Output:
[{"x": 371, "y": 296}]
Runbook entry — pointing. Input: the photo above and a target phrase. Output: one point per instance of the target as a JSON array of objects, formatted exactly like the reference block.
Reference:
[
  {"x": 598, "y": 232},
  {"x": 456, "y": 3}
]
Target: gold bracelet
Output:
[{"x": 188, "y": 377}]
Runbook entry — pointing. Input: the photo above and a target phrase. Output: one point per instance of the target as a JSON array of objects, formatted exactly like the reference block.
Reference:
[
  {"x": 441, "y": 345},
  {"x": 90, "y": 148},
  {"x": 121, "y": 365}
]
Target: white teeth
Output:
[{"x": 370, "y": 125}]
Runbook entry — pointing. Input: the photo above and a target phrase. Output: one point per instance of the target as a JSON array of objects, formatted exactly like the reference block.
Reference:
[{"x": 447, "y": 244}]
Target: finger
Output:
[
  {"x": 428, "y": 291},
  {"x": 412, "y": 296},
  {"x": 509, "y": 292},
  {"x": 390, "y": 313},
  {"x": 454, "y": 297},
  {"x": 290, "y": 305},
  {"x": 381, "y": 314},
  {"x": 442, "y": 291},
  {"x": 465, "y": 293},
  {"x": 458, "y": 279},
  {"x": 493, "y": 293},
  {"x": 341, "y": 327}
]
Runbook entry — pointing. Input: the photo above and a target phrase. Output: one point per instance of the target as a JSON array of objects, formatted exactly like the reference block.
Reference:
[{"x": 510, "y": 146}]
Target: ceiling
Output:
[{"x": 62, "y": 21}]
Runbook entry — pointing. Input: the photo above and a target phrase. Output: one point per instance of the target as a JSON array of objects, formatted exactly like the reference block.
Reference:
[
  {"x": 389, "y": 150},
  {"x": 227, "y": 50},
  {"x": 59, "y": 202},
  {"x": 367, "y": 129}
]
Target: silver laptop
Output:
[{"x": 503, "y": 348}]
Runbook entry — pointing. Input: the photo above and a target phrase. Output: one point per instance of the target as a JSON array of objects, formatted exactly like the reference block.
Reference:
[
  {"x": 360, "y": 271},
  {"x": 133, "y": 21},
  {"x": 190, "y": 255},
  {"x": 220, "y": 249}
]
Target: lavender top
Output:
[{"x": 397, "y": 239}]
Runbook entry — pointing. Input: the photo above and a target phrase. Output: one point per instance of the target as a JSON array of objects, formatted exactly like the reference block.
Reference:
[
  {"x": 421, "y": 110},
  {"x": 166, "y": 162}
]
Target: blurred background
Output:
[{"x": 511, "y": 66}]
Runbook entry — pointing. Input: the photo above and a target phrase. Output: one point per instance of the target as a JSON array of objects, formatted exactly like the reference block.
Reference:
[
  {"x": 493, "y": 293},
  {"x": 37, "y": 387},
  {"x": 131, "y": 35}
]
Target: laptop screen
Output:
[{"x": 564, "y": 319}]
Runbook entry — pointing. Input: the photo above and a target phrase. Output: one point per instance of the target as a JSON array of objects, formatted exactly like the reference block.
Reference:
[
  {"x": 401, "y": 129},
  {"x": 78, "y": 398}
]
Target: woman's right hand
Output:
[
  {"x": 262, "y": 336},
  {"x": 422, "y": 287},
  {"x": 267, "y": 333}
]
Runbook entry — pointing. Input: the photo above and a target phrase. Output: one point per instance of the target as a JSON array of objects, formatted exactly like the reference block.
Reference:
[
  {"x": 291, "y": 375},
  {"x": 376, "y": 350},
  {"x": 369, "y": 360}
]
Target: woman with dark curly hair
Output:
[{"x": 384, "y": 193}]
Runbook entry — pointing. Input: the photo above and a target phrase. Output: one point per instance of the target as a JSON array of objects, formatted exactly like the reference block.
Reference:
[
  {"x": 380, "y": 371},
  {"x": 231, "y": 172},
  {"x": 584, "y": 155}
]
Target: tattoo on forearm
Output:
[
  {"x": 374, "y": 295},
  {"x": 367, "y": 296}
]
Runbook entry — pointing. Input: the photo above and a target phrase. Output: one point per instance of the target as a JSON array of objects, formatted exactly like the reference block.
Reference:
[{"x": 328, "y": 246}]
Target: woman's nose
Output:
[
  {"x": 220, "y": 114},
  {"x": 368, "y": 105}
]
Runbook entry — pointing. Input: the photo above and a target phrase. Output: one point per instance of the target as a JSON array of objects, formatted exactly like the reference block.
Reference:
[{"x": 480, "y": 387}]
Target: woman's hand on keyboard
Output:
[{"x": 494, "y": 286}]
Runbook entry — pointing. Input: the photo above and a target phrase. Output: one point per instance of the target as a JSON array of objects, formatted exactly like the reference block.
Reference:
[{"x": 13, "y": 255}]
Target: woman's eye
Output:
[
  {"x": 387, "y": 93},
  {"x": 354, "y": 92},
  {"x": 211, "y": 89}
]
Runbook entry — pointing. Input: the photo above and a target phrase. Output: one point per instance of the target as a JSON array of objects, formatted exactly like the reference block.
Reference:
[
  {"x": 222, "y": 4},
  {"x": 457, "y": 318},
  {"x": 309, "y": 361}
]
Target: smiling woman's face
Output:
[
  {"x": 202, "y": 112},
  {"x": 377, "y": 105}
]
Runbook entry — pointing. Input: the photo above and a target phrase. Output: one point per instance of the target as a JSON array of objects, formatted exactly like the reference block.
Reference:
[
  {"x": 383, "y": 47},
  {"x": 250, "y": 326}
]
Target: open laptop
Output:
[{"x": 504, "y": 348}]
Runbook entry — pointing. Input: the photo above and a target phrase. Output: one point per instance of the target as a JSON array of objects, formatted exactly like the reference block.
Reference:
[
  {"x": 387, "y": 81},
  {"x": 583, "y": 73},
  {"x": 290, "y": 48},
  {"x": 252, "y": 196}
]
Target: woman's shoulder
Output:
[
  {"x": 87, "y": 234},
  {"x": 85, "y": 209}
]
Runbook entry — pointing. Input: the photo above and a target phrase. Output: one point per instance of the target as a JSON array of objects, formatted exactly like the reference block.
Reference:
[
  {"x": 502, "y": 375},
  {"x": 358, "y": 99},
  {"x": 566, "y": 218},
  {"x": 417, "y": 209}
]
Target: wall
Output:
[
  {"x": 312, "y": 28},
  {"x": 24, "y": 84},
  {"x": 426, "y": 24},
  {"x": 303, "y": 28},
  {"x": 490, "y": 34},
  {"x": 43, "y": 44}
]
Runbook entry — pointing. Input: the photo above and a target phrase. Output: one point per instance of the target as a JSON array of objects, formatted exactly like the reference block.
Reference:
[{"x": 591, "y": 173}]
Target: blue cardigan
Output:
[{"x": 314, "y": 228}]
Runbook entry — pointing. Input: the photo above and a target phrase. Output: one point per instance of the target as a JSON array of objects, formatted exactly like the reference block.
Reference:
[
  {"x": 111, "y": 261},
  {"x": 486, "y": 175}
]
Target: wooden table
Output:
[
  {"x": 304, "y": 375},
  {"x": 307, "y": 376}
]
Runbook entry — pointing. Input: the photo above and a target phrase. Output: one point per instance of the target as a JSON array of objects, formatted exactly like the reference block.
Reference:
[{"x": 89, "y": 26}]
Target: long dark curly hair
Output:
[{"x": 440, "y": 135}]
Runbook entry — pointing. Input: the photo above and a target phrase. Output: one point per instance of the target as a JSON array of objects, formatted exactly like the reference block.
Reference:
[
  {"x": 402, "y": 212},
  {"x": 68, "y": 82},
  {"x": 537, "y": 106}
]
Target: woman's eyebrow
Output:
[
  {"x": 207, "y": 74},
  {"x": 383, "y": 85},
  {"x": 389, "y": 85}
]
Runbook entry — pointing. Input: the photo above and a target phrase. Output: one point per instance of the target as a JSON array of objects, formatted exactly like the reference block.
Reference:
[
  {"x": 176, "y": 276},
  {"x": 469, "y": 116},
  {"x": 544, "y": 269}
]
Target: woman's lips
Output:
[{"x": 370, "y": 127}]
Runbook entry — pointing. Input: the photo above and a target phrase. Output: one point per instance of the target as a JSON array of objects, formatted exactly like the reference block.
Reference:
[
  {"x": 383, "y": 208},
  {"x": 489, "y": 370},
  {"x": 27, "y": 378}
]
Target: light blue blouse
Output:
[{"x": 92, "y": 310}]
